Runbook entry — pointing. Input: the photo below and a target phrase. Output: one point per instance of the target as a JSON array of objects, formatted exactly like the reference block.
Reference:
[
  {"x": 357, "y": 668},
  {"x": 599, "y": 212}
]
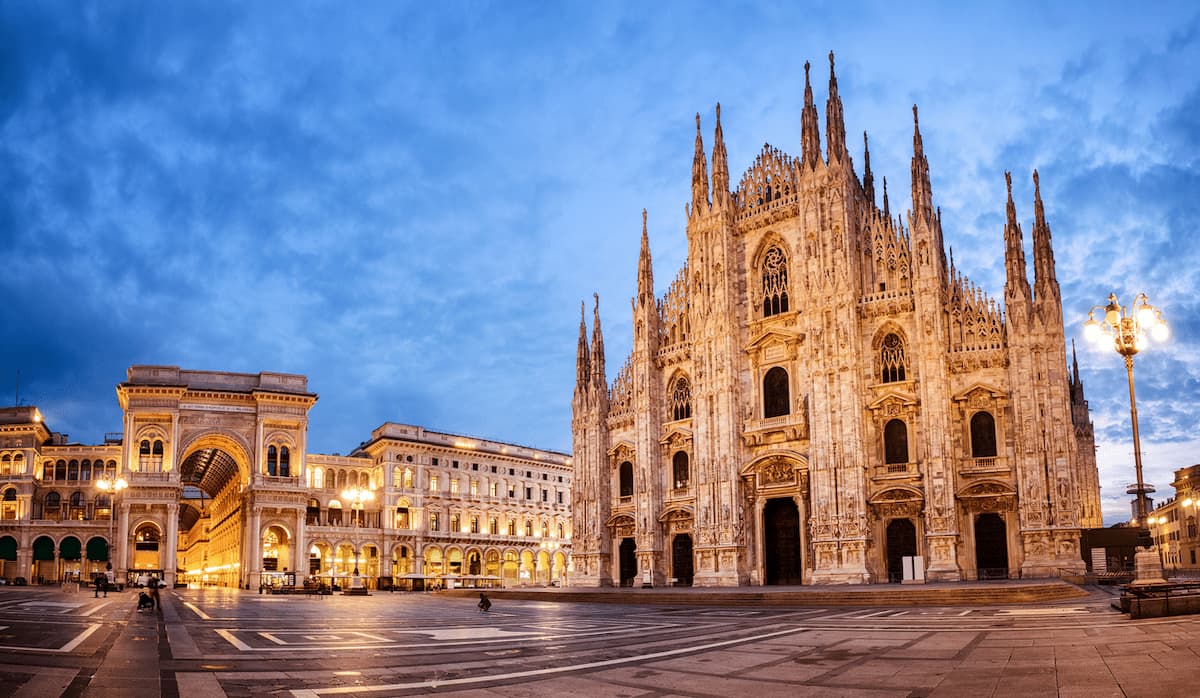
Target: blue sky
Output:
[{"x": 408, "y": 204}]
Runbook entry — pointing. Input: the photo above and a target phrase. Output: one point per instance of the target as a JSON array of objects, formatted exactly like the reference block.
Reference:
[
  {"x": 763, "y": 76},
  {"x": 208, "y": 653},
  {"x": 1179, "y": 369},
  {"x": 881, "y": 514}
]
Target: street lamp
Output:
[
  {"x": 1127, "y": 331},
  {"x": 112, "y": 487},
  {"x": 357, "y": 497}
]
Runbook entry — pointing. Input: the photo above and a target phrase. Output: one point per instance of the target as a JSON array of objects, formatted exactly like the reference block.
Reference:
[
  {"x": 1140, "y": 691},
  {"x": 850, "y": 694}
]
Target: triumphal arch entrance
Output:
[{"x": 213, "y": 471}]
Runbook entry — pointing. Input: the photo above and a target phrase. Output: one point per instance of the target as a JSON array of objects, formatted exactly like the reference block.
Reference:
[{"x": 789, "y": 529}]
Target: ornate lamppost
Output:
[
  {"x": 357, "y": 497},
  {"x": 112, "y": 487},
  {"x": 1127, "y": 332}
]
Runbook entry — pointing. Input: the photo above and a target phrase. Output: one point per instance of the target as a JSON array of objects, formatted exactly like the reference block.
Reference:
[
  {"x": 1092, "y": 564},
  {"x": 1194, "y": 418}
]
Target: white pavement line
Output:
[
  {"x": 315, "y": 693},
  {"x": 1041, "y": 611},
  {"x": 65, "y": 648},
  {"x": 196, "y": 610},
  {"x": 229, "y": 637},
  {"x": 82, "y": 636},
  {"x": 876, "y": 613},
  {"x": 966, "y": 612},
  {"x": 897, "y": 615},
  {"x": 93, "y": 609}
]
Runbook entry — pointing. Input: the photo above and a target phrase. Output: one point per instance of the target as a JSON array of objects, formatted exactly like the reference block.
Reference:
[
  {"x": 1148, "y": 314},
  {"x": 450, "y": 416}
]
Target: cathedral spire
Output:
[
  {"x": 810, "y": 137},
  {"x": 1045, "y": 282},
  {"x": 922, "y": 192},
  {"x": 868, "y": 178},
  {"x": 886, "y": 211},
  {"x": 1016, "y": 285},
  {"x": 699, "y": 173},
  {"x": 835, "y": 124},
  {"x": 583, "y": 368},
  {"x": 645, "y": 268},
  {"x": 599, "y": 377},
  {"x": 720, "y": 163},
  {"x": 1074, "y": 364}
]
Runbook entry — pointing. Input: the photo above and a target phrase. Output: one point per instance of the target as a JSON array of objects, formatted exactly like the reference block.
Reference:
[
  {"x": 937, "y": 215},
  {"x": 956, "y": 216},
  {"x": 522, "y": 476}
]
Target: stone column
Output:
[{"x": 172, "y": 543}]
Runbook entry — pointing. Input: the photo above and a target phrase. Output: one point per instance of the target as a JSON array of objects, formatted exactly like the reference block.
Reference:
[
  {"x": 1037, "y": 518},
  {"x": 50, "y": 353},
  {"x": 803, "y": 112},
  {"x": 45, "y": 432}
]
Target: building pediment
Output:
[
  {"x": 979, "y": 393},
  {"x": 775, "y": 345},
  {"x": 677, "y": 513},
  {"x": 898, "y": 494},
  {"x": 893, "y": 401},
  {"x": 622, "y": 450},
  {"x": 987, "y": 488},
  {"x": 677, "y": 437}
]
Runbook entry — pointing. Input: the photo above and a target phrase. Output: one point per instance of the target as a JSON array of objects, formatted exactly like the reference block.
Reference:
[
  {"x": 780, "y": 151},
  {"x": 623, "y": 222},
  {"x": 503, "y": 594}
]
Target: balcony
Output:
[
  {"x": 895, "y": 471},
  {"x": 983, "y": 466}
]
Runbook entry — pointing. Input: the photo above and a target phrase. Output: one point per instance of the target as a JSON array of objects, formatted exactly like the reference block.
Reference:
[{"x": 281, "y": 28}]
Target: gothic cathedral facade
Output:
[{"x": 821, "y": 397}]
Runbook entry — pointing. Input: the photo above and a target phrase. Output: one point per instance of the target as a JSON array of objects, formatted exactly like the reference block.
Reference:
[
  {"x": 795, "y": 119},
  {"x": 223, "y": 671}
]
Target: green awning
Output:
[
  {"x": 97, "y": 549},
  {"x": 43, "y": 549},
  {"x": 70, "y": 548},
  {"x": 8, "y": 548}
]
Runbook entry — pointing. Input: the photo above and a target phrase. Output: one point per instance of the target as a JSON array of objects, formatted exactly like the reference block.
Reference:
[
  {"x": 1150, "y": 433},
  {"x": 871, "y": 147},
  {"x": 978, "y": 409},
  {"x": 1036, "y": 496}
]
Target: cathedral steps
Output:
[{"x": 956, "y": 594}]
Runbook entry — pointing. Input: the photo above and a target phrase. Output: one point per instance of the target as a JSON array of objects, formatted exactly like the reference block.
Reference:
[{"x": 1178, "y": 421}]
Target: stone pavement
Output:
[{"x": 237, "y": 643}]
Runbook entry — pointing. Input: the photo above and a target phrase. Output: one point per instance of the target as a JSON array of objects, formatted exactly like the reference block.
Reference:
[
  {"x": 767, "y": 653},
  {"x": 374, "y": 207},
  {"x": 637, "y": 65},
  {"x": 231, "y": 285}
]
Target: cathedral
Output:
[{"x": 821, "y": 396}]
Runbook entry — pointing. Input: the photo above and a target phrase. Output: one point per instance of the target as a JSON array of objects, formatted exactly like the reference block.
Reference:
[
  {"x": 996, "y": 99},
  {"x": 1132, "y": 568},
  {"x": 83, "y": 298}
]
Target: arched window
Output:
[
  {"x": 5, "y": 464},
  {"x": 774, "y": 283},
  {"x": 53, "y": 506},
  {"x": 18, "y": 466},
  {"x": 60, "y": 470},
  {"x": 625, "y": 477},
  {"x": 983, "y": 435},
  {"x": 285, "y": 462},
  {"x": 157, "y": 449},
  {"x": 10, "y": 495},
  {"x": 681, "y": 399},
  {"x": 318, "y": 478},
  {"x": 528, "y": 527},
  {"x": 408, "y": 477},
  {"x": 892, "y": 359},
  {"x": 85, "y": 470},
  {"x": 73, "y": 470},
  {"x": 144, "y": 448},
  {"x": 895, "y": 442},
  {"x": 776, "y": 401},
  {"x": 272, "y": 460},
  {"x": 679, "y": 468}
]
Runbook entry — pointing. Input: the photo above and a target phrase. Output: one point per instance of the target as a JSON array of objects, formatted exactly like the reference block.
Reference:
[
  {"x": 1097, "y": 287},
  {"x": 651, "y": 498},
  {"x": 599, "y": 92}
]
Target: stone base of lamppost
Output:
[
  {"x": 1147, "y": 567},
  {"x": 356, "y": 588}
]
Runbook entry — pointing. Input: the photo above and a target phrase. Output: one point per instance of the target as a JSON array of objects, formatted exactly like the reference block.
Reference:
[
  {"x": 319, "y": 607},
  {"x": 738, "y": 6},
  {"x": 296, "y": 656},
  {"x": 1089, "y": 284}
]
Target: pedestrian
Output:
[{"x": 484, "y": 604}]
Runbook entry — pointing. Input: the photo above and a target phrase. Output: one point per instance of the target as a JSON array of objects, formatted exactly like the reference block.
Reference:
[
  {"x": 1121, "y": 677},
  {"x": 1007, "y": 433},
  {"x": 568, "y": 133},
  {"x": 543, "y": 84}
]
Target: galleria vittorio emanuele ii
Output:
[
  {"x": 822, "y": 396},
  {"x": 209, "y": 484}
]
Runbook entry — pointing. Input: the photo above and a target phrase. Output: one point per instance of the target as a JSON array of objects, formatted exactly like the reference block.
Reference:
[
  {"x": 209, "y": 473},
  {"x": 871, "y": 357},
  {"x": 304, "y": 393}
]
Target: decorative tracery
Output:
[
  {"x": 681, "y": 399},
  {"x": 892, "y": 359},
  {"x": 774, "y": 282}
]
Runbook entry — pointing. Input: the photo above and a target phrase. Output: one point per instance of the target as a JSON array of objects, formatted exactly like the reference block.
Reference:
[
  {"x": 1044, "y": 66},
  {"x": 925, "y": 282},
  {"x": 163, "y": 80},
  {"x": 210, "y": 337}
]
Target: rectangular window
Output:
[
  {"x": 474, "y": 466},
  {"x": 492, "y": 489},
  {"x": 560, "y": 496},
  {"x": 454, "y": 523},
  {"x": 453, "y": 485},
  {"x": 528, "y": 493},
  {"x": 493, "y": 470},
  {"x": 474, "y": 487},
  {"x": 455, "y": 464},
  {"x": 512, "y": 491},
  {"x": 433, "y": 483},
  {"x": 493, "y": 526},
  {"x": 474, "y": 524},
  {"x": 512, "y": 527},
  {"x": 435, "y": 462},
  {"x": 545, "y": 476},
  {"x": 433, "y": 521},
  {"x": 545, "y": 495}
]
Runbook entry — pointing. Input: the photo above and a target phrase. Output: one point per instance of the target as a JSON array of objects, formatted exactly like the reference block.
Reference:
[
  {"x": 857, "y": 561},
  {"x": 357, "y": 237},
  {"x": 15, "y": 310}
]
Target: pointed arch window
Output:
[
  {"x": 625, "y": 479},
  {"x": 679, "y": 469},
  {"x": 776, "y": 401},
  {"x": 892, "y": 359},
  {"x": 983, "y": 435},
  {"x": 681, "y": 399},
  {"x": 774, "y": 282},
  {"x": 895, "y": 442}
]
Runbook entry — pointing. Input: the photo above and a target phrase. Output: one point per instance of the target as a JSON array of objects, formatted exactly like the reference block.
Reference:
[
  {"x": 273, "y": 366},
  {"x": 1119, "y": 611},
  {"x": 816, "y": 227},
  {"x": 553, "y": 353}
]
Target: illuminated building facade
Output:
[
  {"x": 821, "y": 396},
  {"x": 221, "y": 490}
]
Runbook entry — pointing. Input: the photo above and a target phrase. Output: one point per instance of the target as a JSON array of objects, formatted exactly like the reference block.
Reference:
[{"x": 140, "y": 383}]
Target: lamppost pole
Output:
[
  {"x": 112, "y": 487},
  {"x": 1128, "y": 334}
]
